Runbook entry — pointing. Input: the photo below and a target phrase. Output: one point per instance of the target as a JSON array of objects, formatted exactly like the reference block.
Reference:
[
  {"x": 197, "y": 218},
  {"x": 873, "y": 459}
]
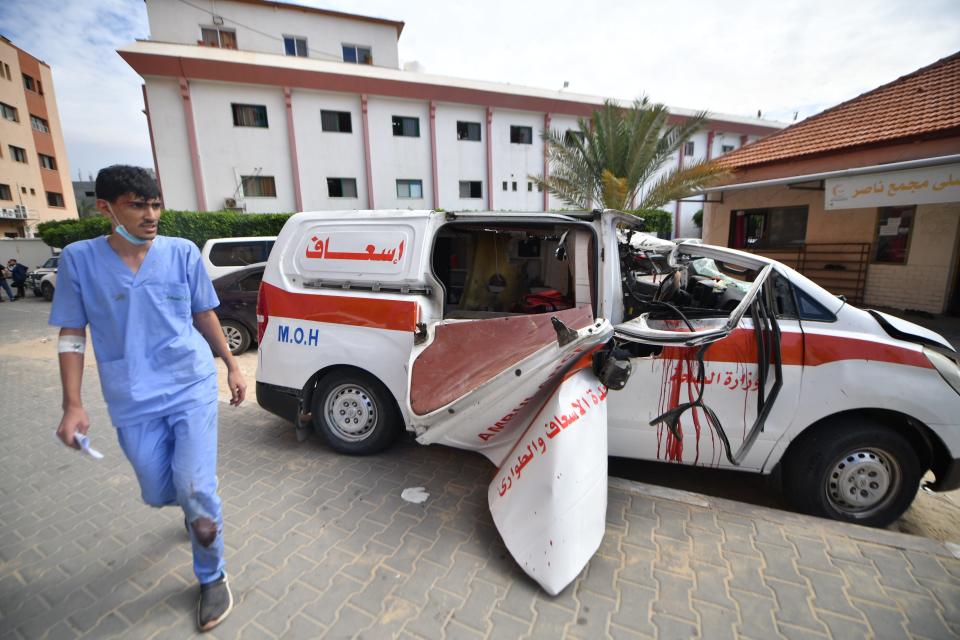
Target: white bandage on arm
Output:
[{"x": 72, "y": 344}]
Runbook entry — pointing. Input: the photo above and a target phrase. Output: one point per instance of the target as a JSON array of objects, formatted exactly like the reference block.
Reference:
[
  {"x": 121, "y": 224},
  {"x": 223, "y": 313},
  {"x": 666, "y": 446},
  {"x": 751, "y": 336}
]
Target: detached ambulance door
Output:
[
  {"x": 717, "y": 389},
  {"x": 520, "y": 389}
]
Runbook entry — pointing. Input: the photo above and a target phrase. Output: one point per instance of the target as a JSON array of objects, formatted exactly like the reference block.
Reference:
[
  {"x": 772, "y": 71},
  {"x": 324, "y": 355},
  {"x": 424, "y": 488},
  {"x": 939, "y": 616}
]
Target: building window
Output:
[
  {"x": 471, "y": 189},
  {"x": 357, "y": 54},
  {"x": 39, "y": 124},
  {"x": 23, "y": 190},
  {"x": 529, "y": 186},
  {"x": 894, "y": 226},
  {"x": 410, "y": 189},
  {"x": 47, "y": 162},
  {"x": 54, "y": 199},
  {"x": 342, "y": 187},
  {"x": 215, "y": 37},
  {"x": 572, "y": 136},
  {"x": 259, "y": 186},
  {"x": 28, "y": 83},
  {"x": 18, "y": 154},
  {"x": 294, "y": 46},
  {"x": 727, "y": 148},
  {"x": 338, "y": 121},
  {"x": 688, "y": 148},
  {"x": 249, "y": 115},
  {"x": 521, "y": 135},
  {"x": 513, "y": 185},
  {"x": 10, "y": 113},
  {"x": 768, "y": 228},
  {"x": 33, "y": 191},
  {"x": 5, "y": 192},
  {"x": 6, "y": 71},
  {"x": 404, "y": 126},
  {"x": 504, "y": 185},
  {"x": 468, "y": 130}
]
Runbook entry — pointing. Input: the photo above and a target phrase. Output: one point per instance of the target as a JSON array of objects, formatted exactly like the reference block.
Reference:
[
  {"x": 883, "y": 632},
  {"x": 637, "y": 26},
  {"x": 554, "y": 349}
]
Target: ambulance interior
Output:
[
  {"x": 694, "y": 287},
  {"x": 491, "y": 271}
]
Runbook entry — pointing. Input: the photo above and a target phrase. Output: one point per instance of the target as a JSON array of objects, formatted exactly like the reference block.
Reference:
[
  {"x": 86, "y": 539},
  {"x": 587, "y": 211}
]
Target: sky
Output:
[{"x": 780, "y": 57}]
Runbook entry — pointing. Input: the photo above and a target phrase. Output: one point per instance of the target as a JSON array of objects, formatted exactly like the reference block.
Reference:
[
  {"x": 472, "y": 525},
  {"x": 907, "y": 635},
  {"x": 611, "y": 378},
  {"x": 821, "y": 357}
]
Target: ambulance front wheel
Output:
[{"x": 355, "y": 413}]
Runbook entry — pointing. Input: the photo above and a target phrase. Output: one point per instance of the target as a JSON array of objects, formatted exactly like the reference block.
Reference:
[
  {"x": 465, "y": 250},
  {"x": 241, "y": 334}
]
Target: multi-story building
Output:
[
  {"x": 34, "y": 174},
  {"x": 266, "y": 106}
]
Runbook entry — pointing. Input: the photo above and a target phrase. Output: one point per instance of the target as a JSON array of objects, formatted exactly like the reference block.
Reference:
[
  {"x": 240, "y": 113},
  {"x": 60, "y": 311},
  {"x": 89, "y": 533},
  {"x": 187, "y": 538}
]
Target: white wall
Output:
[
  {"x": 562, "y": 124},
  {"x": 177, "y": 22},
  {"x": 226, "y": 150},
  {"x": 399, "y": 157},
  {"x": 515, "y": 162},
  {"x": 460, "y": 159},
  {"x": 171, "y": 143},
  {"x": 326, "y": 154}
]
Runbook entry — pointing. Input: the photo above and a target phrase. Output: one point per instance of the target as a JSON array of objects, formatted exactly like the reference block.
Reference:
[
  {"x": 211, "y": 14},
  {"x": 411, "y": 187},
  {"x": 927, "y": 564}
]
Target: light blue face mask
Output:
[{"x": 123, "y": 233}]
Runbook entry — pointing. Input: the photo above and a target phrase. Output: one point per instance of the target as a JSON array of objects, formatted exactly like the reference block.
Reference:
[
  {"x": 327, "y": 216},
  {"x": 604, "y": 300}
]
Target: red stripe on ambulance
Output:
[{"x": 376, "y": 313}]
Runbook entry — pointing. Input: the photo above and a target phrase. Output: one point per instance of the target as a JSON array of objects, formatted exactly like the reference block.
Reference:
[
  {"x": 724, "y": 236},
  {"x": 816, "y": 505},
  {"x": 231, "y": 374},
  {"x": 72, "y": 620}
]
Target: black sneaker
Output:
[{"x": 216, "y": 601}]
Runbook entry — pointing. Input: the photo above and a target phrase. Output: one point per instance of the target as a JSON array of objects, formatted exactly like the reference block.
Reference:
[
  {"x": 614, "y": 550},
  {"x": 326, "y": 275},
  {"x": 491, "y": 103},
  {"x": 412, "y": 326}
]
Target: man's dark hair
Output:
[{"x": 121, "y": 179}]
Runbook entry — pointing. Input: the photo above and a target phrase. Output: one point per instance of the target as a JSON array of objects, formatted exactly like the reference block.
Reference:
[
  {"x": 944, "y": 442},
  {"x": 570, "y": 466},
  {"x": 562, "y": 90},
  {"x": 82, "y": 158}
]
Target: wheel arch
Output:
[
  {"x": 306, "y": 393},
  {"x": 930, "y": 449}
]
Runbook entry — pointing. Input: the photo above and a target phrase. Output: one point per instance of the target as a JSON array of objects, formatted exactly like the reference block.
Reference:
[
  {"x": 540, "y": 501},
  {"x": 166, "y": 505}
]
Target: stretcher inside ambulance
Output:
[{"x": 546, "y": 342}]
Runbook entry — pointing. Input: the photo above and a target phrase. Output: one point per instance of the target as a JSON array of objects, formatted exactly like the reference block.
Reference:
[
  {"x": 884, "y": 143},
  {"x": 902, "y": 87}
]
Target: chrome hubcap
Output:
[
  {"x": 351, "y": 412},
  {"x": 862, "y": 481},
  {"x": 234, "y": 339}
]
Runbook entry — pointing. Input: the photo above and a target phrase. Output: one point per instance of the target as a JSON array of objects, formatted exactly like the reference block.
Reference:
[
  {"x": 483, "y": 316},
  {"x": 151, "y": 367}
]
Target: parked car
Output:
[
  {"x": 48, "y": 285},
  {"x": 238, "y": 303},
  {"x": 226, "y": 255},
  {"x": 687, "y": 353},
  {"x": 35, "y": 277}
]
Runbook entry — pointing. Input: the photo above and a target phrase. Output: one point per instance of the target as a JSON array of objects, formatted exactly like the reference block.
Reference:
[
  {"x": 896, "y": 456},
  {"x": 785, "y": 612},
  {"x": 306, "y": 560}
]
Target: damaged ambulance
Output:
[{"x": 547, "y": 342}]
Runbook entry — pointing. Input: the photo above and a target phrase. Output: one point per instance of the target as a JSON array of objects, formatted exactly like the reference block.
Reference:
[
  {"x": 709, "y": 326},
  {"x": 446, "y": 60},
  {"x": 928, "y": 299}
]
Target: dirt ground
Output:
[{"x": 931, "y": 515}]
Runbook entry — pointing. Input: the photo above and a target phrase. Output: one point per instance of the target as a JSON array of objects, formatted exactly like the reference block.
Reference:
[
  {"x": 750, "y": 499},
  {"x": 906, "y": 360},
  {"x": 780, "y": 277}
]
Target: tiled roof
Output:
[{"x": 922, "y": 103}]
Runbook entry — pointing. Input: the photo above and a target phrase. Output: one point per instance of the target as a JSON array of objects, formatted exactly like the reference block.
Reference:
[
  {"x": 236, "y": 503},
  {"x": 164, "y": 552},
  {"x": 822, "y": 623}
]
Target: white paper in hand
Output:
[{"x": 84, "y": 443}]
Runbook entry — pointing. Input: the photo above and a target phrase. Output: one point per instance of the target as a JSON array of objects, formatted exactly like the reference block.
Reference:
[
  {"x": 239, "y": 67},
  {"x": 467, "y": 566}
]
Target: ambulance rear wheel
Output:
[{"x": 354, "y": 413}]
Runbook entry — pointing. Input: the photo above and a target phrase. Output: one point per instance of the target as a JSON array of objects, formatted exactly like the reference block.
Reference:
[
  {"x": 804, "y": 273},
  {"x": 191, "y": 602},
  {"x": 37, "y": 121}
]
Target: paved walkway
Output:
[{"x": 320, "y": 544}]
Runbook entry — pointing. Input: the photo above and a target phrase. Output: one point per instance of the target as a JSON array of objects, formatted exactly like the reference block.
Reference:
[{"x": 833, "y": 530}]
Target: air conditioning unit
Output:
[
  {"x": 21, "y": 211},
  {"x": 231, "y": 204}
]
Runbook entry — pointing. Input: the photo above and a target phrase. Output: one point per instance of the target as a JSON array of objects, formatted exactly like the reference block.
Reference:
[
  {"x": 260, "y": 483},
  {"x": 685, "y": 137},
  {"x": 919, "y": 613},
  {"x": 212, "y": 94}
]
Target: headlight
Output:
[{"x": 945, "y": 366}]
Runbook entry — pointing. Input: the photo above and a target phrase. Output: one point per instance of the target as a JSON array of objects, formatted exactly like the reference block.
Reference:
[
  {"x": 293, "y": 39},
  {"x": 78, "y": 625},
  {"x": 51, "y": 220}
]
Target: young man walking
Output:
[
  {"x": 149, "y": 304},
  {"x": 19, "y": 274}
]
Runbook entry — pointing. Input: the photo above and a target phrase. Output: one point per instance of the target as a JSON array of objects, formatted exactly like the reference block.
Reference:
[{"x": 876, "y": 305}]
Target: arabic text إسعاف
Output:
[{"x": 321, "y": 251}]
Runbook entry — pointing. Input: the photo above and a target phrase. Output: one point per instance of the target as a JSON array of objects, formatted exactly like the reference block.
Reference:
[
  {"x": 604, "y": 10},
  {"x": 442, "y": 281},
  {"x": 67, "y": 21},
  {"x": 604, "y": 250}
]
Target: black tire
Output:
[
  {"x": 853, "y": 470},
  {"x": 237, "y": 336},
  {"x": 375, "y": 424},
  {"x": 47, "y": 290}
]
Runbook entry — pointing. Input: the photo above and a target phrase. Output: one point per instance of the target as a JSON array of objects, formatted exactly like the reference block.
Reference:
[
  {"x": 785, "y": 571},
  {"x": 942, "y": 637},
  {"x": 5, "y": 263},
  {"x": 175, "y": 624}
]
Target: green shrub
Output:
[
  {"x": 198, "y": 227},
  {"x": 655, "y": 221}
]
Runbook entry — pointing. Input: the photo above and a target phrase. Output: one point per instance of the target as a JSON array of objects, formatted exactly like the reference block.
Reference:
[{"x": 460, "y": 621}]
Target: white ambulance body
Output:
[{"x": 548, "y": 341}]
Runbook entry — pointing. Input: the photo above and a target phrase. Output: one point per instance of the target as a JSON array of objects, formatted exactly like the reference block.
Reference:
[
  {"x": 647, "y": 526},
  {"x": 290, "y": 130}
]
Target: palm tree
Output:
[{"x": 618, "y": 156}]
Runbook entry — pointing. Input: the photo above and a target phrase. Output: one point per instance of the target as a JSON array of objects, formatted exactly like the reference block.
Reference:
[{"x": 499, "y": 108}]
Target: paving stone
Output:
[
  {"x": 843, "y": 627},
  {"x": 434, "y": 616},
  {"x": 551, "y": 619},
  {"x": 480, "y": 601},
  {"x": 673, "y": 595},
  {"x": 670, "y": 627},
  {"x": 831, "y": 593},
  {"x": 715, "y": 622},
  {"x": 635, "y": 608},
  {"x": 884, "y": 622},
  {"x": 794, "y": 607},
  {"x": 756, "y": 615}
]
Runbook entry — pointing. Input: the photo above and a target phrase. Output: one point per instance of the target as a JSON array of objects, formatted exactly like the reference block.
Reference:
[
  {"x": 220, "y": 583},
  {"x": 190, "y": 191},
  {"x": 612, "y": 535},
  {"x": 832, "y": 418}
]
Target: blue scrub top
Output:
[{"x": 151, "y": 359}]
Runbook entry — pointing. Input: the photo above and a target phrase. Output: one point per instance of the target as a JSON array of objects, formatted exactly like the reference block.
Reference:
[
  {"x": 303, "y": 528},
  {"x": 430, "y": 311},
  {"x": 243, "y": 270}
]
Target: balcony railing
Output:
[{"x": 838, "y": 267}]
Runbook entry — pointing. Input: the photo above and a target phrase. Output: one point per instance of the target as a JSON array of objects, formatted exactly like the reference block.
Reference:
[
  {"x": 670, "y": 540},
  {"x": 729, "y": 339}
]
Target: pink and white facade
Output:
[{"x": 205, "y": 160}]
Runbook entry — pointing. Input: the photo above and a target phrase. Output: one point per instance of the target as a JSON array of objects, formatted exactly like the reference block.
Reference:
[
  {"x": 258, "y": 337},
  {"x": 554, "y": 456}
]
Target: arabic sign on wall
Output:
[{"x": 913, "y": 186}]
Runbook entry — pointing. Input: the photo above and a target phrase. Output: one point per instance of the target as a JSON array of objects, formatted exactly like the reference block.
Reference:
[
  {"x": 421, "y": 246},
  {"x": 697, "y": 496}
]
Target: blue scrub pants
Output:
[{"x": 175, "y": 459}]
